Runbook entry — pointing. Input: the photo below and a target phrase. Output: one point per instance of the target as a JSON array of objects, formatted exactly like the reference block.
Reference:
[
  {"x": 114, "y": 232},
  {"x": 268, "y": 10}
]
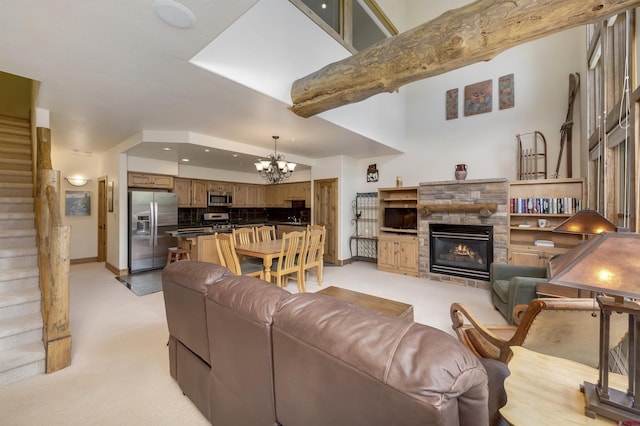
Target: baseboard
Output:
[
  {"x": 83, "y": 260},
  {"x": 116, "y": 271}
]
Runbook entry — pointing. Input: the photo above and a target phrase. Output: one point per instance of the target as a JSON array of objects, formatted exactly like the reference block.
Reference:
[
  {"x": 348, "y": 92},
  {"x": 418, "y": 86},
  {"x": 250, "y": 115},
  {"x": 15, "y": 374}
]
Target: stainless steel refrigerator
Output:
[{"x": 151, "y": 215}]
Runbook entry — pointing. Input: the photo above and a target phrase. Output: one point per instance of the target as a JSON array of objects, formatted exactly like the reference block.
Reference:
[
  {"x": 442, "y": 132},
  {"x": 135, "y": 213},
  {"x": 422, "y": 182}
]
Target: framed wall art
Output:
[
  {"x": 372, "y": 173},
  {"x": 451, "y": 104},
  {"x": 110, "y": 197},
  {"x": 478, "y": 98},
  {"x": 506, "y": 93},
  {"x": 77, "y": 203}
]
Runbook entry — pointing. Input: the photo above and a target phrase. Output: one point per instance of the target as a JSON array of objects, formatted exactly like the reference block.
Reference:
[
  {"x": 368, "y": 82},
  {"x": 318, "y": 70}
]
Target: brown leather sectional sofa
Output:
[{"x": 249, "y": 353}]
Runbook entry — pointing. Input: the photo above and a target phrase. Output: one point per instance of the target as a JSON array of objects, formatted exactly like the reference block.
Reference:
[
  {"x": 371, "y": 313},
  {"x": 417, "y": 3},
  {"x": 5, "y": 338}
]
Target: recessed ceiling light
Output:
[
  {"x": 167, "y": 149},
  {"x": 186, "y": 160},
  {"x": 207, "y": 150},
  {"x": 235, "y": 155},
  {"x": 174, "y": 13}
]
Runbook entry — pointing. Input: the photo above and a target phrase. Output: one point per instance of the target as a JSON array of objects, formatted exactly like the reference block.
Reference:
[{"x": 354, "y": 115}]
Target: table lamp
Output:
[
  {"x": 608, "y": 264},
  {"x": 586, "y": 222}
]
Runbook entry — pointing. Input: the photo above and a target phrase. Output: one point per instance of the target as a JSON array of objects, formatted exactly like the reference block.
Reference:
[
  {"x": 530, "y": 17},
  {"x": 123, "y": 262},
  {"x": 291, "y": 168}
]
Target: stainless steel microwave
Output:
[{"x": 215, "y": 198}]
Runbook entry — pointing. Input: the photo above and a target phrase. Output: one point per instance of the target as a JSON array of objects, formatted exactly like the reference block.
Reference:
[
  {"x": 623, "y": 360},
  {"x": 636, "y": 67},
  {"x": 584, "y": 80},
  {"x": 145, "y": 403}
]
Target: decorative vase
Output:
[
  {"x": 398, "y": 181},
  {"x": 461, "y": 171}
]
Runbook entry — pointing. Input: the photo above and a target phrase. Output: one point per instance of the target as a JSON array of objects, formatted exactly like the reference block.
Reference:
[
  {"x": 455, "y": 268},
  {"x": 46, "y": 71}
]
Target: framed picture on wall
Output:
[
  {"x": 77, "y": 203},
  {"x": 478, "y": 98},
  {"x": 110, "y": 196}
]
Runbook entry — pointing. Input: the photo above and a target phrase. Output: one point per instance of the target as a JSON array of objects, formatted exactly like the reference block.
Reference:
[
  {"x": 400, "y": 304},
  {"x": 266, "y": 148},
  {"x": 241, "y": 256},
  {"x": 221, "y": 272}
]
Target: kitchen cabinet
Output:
[
  {"x": 203, "y": 248},
  {"x": 299, "y": 191},
  {"x": 275, "y": 196},
  {"x": 248, "y": 195},
  {"x": 190, "y": 192},
  {"x": 199, "y": 193},
  {"x": 551, "y": 201},
  {"x": 145, "y": 180},
  {"x": 182, "y": 188},
  {"x": 398, "y": 254},
  {"x": 220, "y": 186},
  {"x": 281, "y": 229}
]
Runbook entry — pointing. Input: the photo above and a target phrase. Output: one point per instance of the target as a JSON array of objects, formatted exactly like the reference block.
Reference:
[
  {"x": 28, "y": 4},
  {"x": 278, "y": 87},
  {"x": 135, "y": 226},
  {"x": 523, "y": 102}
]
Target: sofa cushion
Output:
[
  {"x": 239, "y": 317},
  {"x": 185, "y": 286},
  {"x": 331, "y": 353}
]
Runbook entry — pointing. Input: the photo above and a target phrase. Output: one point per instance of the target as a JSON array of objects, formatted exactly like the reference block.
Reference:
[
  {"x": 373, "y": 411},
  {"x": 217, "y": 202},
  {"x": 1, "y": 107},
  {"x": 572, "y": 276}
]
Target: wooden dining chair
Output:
[
  {"x": 313, "y": 255},
  {"x": 243, "y": 236},
  {"x": 287, "y": 265},
  {"x": 265, "y": 233},
  {"x": 229, "y": 259}
]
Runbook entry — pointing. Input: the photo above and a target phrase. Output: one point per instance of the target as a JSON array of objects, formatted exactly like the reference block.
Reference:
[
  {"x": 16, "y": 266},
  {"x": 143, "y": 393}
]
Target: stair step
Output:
[
  {"x": 15, "y": 130},
  {"x": 15, "y": 164},
  {"x": 16, "y": 204},
  {"x": 6, "y": 120},
  {"x": 18, "y": 273},
  {"x": 20, "y": 302},
  {"x": 20, "y": 283},
  {"x": 16, "y": 176},
  {"x": 22, "y": 362},
  {"x": 16, "y": 189},
  {"x": 28, "y": 221},
  {"x": 13, "y": 145},
  {"x": 20, "y": 330},
  {"x": 14, "y": 258},
  {"x": 17, "y": 238}
]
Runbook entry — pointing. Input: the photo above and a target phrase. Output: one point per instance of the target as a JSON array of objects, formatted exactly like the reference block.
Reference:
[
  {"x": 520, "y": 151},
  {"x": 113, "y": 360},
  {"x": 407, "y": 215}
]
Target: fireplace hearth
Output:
[{"x": 461, "y": 250}]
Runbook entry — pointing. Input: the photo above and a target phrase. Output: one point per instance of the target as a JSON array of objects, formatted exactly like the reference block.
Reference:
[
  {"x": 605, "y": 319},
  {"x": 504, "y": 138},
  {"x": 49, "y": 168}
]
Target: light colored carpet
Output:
[{"x": 119, "y": 373}]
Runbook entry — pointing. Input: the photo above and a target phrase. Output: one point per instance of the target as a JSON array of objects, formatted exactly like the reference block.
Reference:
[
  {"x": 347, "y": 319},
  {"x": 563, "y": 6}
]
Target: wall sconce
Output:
[{"x": 77, "y": 181}]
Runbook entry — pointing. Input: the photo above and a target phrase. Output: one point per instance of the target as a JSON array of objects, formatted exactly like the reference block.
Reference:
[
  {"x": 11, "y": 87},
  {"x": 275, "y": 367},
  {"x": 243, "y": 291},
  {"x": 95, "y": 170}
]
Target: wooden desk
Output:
[
  {"x": 545, "y": 390},
  {"x": 387, "y": 306},
  {"x": 265, "y": 250}
]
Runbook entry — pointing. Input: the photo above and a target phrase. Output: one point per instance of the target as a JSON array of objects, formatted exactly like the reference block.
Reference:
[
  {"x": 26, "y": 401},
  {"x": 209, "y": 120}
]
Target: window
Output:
[
  {"x": 357, "y": 24},
  {"x": 612, "y": 168}
]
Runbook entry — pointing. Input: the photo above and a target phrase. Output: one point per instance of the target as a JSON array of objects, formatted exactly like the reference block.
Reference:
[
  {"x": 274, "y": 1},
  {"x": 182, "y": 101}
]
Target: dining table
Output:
[{"x": 265, "y": 250}]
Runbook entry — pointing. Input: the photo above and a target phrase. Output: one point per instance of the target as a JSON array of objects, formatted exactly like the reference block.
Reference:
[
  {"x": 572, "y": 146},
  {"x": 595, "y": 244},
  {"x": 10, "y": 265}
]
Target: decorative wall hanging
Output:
[
  {"x": 451, "y": 104},
  {"x": 506, "y": 93},
  {"x": 478, "y": 98},
  {"x": 77, "y": 203},
  {"x": 372, "y": 173}
]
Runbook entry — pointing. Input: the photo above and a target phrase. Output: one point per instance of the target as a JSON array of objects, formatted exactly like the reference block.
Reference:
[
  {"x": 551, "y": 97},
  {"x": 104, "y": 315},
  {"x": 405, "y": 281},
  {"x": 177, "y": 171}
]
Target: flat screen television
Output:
[{"x": 400, "y": 218}]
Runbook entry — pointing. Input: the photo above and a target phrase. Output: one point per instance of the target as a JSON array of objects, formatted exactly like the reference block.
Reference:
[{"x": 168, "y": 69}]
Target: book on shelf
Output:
[{"x": 562, "y": 205}]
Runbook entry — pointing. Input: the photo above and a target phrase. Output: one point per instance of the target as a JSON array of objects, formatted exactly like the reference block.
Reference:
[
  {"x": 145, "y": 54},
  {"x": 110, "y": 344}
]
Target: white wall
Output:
[{"x": 84, "y": 233}]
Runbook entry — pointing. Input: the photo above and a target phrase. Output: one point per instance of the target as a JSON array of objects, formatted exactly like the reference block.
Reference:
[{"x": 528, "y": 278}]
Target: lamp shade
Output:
[
  {"x": 609, "y": 263},
  {"x": 586, "y": 222}
]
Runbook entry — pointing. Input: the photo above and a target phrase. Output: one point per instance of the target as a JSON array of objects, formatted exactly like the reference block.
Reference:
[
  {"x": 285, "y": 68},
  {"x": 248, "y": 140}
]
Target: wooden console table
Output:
[{"x": 545, "y": 390}]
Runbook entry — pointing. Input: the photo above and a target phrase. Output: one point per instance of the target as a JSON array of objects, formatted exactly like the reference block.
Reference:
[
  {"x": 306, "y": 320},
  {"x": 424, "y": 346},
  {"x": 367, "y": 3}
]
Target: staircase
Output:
[{"x": 22, "y": 351}]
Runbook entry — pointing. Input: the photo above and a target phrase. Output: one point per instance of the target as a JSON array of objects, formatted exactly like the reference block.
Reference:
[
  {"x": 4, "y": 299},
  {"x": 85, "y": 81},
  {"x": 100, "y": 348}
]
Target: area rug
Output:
[{"x": 143, "y": 283}]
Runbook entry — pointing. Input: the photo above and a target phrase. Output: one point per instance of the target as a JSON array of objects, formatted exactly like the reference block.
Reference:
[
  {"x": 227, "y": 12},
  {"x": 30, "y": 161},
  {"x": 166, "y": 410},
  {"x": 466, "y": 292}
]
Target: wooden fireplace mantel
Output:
[{"x": 484, "y": 210}]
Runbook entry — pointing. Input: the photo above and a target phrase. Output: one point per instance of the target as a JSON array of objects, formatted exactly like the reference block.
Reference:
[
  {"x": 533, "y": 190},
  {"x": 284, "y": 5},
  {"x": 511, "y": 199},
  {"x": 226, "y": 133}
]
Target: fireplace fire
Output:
[{"x": 461, "y": 250}]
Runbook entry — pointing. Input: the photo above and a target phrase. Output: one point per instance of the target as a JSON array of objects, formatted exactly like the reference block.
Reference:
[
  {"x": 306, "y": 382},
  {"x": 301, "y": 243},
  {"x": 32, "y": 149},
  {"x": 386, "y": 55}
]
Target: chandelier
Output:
[{"x": 276, "y": 169}]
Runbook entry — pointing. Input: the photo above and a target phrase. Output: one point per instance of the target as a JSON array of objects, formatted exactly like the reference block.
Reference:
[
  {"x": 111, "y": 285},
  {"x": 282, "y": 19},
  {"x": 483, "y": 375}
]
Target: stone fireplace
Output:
[{"x": 477, "y": 210}]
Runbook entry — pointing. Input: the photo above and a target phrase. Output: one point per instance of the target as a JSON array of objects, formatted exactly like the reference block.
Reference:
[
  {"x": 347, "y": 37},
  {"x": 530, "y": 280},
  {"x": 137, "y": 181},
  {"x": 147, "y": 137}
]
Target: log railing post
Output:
[{"x": 53, "y": 239}]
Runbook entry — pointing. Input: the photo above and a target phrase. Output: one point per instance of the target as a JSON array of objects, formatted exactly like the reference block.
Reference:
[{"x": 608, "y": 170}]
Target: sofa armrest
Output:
[{"x": 522, "y": 290}]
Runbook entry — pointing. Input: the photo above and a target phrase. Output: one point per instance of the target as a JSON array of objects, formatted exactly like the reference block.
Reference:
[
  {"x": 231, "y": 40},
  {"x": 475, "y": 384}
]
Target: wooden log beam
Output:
[
  {"x": 476, "y": 32},
  {"x": 484, "y": 210}
]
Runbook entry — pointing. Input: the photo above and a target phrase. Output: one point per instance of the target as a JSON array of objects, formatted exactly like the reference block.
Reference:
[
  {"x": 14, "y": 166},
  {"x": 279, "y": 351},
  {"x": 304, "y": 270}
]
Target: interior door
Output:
[
  {"x": 325, "y": 212},
  {"x": 102, "y": 219}
]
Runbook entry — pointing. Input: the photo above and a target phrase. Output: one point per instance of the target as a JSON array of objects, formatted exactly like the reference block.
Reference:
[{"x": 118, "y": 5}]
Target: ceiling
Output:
[{"x": 109, "y": 70}]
